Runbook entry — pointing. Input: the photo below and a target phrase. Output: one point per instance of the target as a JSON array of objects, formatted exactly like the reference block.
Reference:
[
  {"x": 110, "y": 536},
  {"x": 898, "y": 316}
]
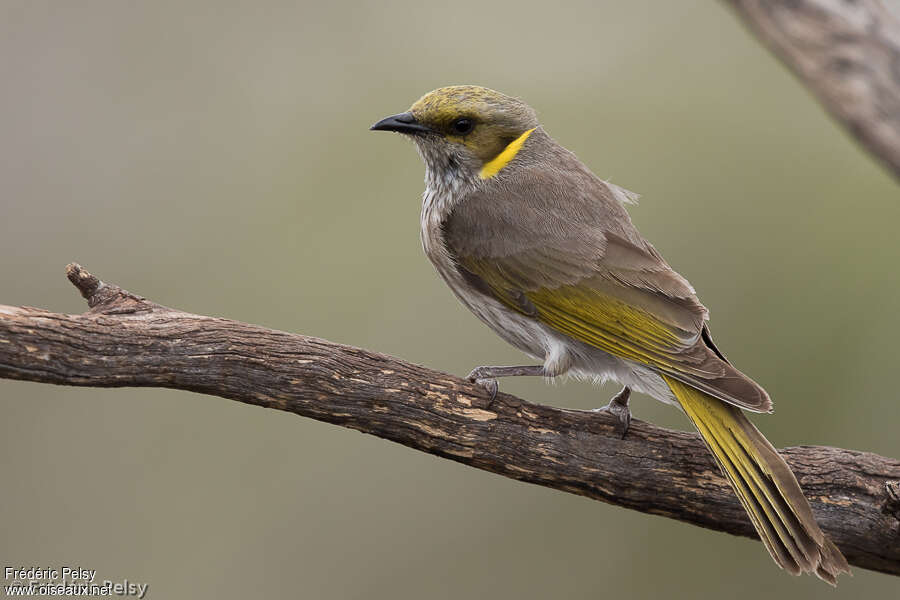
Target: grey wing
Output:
[{"x": 559, "y": 227}]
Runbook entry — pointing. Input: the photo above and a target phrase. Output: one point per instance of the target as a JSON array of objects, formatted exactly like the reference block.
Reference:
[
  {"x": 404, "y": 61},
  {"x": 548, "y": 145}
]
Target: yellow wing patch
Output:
[
  {"x": 597, "y": 318},
  {"x": 607, "y": 323}
]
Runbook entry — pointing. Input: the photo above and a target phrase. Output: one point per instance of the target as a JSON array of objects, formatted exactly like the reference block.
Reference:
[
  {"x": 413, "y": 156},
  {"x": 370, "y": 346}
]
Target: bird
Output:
[{"x": 544, "y": 252}]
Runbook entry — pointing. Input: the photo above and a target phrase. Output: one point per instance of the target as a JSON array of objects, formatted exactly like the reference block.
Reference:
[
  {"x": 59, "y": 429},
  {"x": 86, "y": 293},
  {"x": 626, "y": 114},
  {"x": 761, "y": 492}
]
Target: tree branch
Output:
[
  {"x": 125, "y": 340},
  {"x": 847, "y": 52}
]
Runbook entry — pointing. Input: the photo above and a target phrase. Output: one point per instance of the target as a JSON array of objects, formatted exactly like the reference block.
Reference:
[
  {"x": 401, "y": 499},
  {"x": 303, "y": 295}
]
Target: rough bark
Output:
[
  {"x": 847, "y": 52},
  {"x": 125, "y": 340}
]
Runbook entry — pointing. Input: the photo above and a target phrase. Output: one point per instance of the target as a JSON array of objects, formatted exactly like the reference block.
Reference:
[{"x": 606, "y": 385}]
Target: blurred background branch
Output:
[
  {"x": 847, "y": 52},
  {"x": 125, "y": 340}
]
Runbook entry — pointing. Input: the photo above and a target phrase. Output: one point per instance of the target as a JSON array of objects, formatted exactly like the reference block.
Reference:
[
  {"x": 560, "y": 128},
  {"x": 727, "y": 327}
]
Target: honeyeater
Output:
[{"x": 544, "y": 252}]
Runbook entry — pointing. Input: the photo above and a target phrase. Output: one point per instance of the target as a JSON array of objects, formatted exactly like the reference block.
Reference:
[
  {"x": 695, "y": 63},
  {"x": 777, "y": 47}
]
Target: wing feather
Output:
[{"x": 577, "y": 264}]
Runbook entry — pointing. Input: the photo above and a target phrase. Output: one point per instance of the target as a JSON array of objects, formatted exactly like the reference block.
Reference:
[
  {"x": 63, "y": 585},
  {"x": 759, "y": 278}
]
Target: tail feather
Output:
[
  {"x": 762, "y": 522},
  {"x": 764, "y": 484}
]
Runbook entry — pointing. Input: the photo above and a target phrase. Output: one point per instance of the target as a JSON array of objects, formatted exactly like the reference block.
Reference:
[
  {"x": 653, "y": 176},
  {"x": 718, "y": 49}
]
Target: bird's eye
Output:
[{"x": 463, "y": 126}]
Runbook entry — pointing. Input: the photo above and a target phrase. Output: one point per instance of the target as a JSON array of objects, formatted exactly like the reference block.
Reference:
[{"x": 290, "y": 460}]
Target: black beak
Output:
[{"x": 402, "y": 123}]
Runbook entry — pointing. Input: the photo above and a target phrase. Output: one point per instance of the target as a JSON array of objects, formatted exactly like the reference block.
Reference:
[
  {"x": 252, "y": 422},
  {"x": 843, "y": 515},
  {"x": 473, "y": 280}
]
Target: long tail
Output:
[{"x": 764, "y": 484}]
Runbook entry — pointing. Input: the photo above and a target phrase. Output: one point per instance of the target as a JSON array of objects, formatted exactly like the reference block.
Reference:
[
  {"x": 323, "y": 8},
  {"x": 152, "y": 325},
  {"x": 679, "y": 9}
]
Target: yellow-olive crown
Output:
[{"x": 483, "y": 120}]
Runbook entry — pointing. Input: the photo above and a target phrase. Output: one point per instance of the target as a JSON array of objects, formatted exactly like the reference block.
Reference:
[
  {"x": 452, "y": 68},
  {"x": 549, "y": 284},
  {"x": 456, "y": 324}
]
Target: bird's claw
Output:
[
  {"x": 479, "y": 373},
  {"x": 480, "y": 376},
  {"x": 618, "y": 408},
  {"x": 622, "y": 416}
]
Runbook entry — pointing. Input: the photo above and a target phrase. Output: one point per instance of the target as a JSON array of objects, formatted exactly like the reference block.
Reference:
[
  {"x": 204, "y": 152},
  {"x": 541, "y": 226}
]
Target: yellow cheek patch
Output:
[{"x": 496, "y": 164}]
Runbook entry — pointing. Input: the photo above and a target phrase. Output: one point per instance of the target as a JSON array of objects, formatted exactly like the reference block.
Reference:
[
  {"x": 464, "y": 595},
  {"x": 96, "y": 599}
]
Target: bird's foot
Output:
[
  {"x": 618, "y": 407},
  {"x": 482, "y": 377},
  {"x": 486, "y": 377}
]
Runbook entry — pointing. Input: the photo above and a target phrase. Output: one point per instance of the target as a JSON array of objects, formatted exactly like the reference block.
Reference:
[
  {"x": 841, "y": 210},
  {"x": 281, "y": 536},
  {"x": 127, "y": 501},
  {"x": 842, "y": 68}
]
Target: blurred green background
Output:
[{"x": 215, "y": 158}]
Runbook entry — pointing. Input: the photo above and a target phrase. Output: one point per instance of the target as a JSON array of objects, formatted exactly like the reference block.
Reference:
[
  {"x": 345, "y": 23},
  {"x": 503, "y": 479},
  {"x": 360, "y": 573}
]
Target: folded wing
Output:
[{"x": 578, "y": 265}]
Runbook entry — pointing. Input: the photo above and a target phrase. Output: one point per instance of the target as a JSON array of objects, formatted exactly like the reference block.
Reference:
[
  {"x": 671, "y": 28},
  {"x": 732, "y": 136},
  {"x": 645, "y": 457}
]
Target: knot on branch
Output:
[
  {"x": 86, "y": 283},
  {"x": 105, "y": 298}
]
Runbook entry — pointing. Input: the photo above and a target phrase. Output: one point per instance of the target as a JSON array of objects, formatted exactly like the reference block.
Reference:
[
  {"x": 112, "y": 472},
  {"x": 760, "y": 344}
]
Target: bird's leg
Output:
[
  {"x": 486, "y": 377},
  {"x": 618, "y": 407}
]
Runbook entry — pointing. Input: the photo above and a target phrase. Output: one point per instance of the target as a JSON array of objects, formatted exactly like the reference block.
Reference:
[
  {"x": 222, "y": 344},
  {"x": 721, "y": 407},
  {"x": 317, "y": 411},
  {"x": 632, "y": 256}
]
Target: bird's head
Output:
[{"x": 465, "y": 130}]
